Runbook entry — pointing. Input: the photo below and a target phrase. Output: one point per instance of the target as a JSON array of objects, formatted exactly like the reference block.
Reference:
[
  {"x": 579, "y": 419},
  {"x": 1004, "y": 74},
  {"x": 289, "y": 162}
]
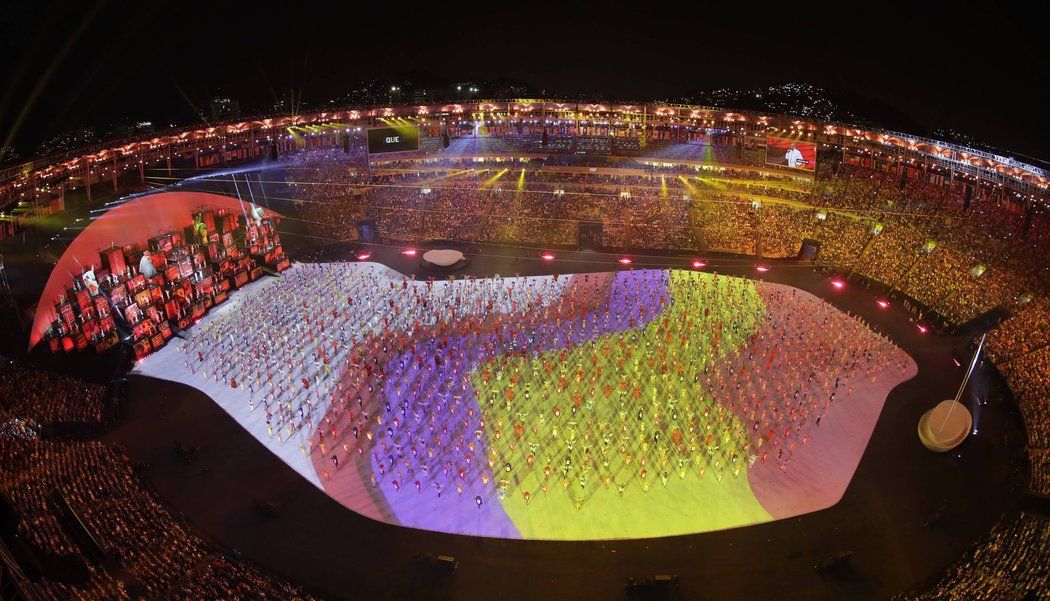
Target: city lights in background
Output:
[
  {"x": 625, "y": 260},
  {"x": 699, "y": 264},
  {"x": 838, "y": 283},
  {"x": 883, "y": 303},
  {"x": 409, "y": 252}
]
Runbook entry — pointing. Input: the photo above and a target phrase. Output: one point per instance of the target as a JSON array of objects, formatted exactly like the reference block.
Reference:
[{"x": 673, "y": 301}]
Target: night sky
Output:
[{"x": 980, "y": 69}]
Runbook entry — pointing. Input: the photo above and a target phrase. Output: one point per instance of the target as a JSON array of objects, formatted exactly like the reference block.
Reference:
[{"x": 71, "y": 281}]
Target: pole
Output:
[
  {"x": 87, "y": 179},
  {"x": 966, "y": 380}
]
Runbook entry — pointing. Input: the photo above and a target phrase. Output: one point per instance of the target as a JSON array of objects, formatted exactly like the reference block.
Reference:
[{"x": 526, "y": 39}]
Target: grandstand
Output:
[{"x": 951, "y": 239}]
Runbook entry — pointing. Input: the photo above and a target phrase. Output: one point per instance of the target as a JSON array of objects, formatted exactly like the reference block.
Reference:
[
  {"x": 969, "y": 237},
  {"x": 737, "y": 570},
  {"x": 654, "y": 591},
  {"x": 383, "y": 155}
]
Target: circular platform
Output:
[
  {"x": 945, "y": 427},
  {"x": 443, "y": 257}
]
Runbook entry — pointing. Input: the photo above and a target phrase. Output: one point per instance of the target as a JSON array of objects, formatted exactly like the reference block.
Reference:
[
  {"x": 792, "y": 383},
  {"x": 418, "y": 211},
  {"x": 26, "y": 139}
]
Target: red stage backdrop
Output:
[
  {"x": 133, "y": 222},
  {"x": 803, "y": 156}
]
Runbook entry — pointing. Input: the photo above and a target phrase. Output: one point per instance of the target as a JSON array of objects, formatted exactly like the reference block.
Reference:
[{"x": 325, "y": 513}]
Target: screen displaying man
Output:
[{"x": 791, "y": 153}]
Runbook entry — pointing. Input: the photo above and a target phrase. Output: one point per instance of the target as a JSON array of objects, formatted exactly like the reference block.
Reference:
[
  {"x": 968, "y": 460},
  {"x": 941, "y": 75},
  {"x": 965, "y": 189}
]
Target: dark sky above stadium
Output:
[{"x": 977, "y": 68}]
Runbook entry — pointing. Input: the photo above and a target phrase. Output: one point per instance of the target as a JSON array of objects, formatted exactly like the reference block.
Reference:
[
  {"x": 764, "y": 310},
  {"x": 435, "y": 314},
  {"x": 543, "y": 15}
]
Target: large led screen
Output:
[
  {"x": 791, "y": 153},
  {"x": 393, "y": 139}
]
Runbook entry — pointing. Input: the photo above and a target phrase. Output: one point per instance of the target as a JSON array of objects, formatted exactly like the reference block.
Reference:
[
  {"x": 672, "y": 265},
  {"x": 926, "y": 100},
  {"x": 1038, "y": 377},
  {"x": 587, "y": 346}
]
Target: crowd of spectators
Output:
[
  {"x": 1026, "y": 331},
  {"x": 148, "y": 550},
  {"x": 1028, "y": 376},
  {"x": 911, "y": 235},
  {"x": 220, "y": 577},
  {"x": 46, "y": 397},
  {"x": 1010, "y": 563},
  {"x": 99, "y": 485},
  {"x": 1040, "y": 483},
  {"x": 704, "y": 153}
]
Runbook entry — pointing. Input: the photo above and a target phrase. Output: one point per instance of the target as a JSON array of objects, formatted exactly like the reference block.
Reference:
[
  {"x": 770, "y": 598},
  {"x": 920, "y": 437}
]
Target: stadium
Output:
[{"x": 530, "y": 346}]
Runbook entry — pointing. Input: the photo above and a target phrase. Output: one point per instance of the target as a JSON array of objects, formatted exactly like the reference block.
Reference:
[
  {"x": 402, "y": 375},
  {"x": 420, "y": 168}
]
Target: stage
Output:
[
  {"x": 887, "y": 485},
  {"x": 644, "y": 453}
]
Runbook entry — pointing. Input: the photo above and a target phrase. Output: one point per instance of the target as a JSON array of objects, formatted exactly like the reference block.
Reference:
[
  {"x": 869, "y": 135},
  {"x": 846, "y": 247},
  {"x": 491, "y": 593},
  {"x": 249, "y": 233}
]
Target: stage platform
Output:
[{"x": 749, "y": 429}]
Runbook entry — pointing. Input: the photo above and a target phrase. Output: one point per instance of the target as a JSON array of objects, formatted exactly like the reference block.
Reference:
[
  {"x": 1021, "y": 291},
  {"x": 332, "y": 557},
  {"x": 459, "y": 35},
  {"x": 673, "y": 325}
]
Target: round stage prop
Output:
[
  {"x": 443, "y": 257},
  {"x": 945, "y": 427},
  {"x": 443, "y": 260}
]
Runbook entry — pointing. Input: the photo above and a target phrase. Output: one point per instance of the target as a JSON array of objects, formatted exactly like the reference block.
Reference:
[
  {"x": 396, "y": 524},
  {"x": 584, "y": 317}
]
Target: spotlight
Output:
[
  {"x": 837, "y": 283},
  {"x": 409, "y": 252},
  {"x": 547, "y": 256},
  {"x": 698, "y": 264},
  {"x": 625, "y": 260},
  {"x": 762, "y": 268},
  {"x": 364, "y": 255},
  {"x": 885, "y": 304},
  {"x": 923, "y": 329}
]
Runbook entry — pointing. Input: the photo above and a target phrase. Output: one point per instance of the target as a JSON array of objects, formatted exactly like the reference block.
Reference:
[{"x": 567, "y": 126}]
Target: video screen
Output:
[
  {"x": 393, "y": 139},
  {"x": 791, "y": 153}
]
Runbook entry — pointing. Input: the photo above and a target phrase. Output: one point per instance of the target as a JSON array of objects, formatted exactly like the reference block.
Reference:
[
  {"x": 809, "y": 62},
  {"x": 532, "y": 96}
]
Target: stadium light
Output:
[
  {"x": 838, "y": 283},
  {"x": 547, "y": 256},
  {"x": 762, "y": 268},
  {"x": 625, "y": 260},
  {"x": 409, "y": 252},
  {"x": 883, "y": 303},
  {"x": 698, "y": 264},
  {"x": 364, "y": 255},
  {"x": 923, "y": 329}
]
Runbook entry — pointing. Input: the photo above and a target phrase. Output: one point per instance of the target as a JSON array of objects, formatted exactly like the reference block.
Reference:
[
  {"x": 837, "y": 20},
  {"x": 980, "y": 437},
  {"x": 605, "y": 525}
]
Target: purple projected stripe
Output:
[{"x": 456, "y": 415}]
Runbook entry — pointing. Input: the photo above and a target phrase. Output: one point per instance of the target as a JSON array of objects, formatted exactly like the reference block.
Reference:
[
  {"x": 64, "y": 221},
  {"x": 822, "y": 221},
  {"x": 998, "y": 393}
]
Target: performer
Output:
[{"x": 794, "y": 158}]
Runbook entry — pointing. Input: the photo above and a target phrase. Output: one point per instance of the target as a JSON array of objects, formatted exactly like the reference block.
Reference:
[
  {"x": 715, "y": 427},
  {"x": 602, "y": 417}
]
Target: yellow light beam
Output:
[{"x": 492, "y": 180}]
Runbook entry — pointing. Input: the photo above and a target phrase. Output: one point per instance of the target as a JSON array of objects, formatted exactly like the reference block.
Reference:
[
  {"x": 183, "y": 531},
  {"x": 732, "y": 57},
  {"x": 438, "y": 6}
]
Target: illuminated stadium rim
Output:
[
  {"x": 965, "y": 163},
  {"x": 871, "y": 216}
]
